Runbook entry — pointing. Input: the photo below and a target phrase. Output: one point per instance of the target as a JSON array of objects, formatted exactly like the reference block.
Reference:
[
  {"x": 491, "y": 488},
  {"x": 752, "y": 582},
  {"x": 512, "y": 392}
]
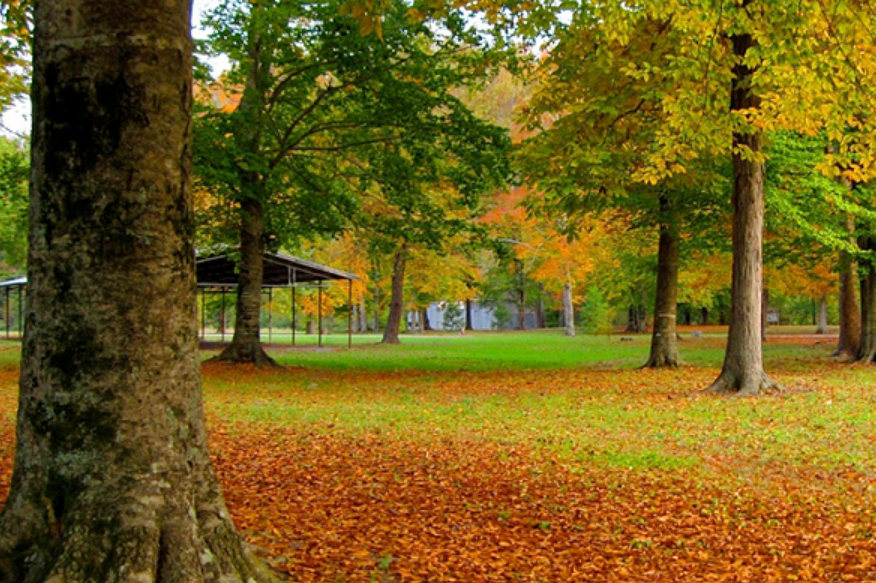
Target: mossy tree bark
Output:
[
  {"x": 743, "y": 372},
  {"x": 396, "y": 303},
  {"x": 664, "y": 338},
  {"x": 112, "y": 478}
]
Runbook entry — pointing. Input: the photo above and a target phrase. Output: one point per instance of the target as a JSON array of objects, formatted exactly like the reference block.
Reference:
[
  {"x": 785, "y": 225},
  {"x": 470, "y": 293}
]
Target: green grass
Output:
[{"x": 578, "y": 398}]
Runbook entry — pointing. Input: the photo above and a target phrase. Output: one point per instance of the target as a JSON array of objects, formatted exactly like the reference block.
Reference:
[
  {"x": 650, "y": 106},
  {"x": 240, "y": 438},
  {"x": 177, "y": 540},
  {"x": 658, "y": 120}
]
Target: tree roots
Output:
[{"x": 743, "y": 385}]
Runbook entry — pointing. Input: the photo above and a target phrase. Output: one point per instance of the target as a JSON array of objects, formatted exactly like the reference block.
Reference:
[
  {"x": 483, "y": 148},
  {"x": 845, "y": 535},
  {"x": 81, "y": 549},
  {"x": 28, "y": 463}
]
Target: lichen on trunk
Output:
[{"x": 112, "y": 478}]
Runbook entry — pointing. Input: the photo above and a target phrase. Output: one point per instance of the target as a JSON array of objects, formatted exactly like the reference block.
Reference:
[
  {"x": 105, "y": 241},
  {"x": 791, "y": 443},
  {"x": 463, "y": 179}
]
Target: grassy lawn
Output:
[{"x": 535, "y": 457}]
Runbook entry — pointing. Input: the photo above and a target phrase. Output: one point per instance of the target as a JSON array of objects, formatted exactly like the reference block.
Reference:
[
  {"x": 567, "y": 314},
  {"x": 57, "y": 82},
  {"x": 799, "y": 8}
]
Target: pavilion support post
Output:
[
  {"x": 20, "y": 311},
  {"x": 319, "y": 313},
  {"x": 270, "y": 314},
  {"x": 203, "y": 315},
  {"x": 294, "y": 322},
  {"x": 349, "y": 314},
  {"x": 8, "y": 313},
  {"x": 222, "y": 315}
]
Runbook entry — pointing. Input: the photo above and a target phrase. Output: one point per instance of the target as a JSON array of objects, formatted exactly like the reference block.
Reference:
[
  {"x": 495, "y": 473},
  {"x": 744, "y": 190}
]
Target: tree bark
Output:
[
  {"x": 568, "y": 309},
  {"x": 704, "y": 316},
  {"x": 396, "y": 303},
  {"x": 521, "y": 296},
  {"x": 112, "y": 479},
  {"x": 849, "y": 312},
  {"x": 468, "y": 315},
  {"x": 867, "y": 350},
  {"x": 246, "y": 345},
  {"x": 743, "y": 373},
  {"x": 664, "y": 339},
  {"x": 822, "y": 315}
]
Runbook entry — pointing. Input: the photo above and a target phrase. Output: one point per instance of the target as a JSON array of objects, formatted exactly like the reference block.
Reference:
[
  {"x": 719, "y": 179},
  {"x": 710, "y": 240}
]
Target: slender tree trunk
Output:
[
  {"x": 849, "y": 312},
  {"x": 867, "y": 350},
  {"x": 822, "y": 315},
  {"x": 396, "y": 304},
  {"x": 468, "y": 313},
  {"x": 743, "y": 372},
  {"x": 112, "y": 479},
  {"x": 664, "y": 339},
  {"x": 246, "y": 346},
  {"x": 361, "y": 315},
  {"x": 704, "y": 316},
  {"x": 568, "y": 309},
  {"x": 427, "y": 325},
  {"x": 521, "y": 296}
]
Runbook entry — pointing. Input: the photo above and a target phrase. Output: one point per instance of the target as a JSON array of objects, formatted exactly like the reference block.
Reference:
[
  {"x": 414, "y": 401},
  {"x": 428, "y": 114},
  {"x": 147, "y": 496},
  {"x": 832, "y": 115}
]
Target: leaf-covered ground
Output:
[{"x": 542, "y": 472}]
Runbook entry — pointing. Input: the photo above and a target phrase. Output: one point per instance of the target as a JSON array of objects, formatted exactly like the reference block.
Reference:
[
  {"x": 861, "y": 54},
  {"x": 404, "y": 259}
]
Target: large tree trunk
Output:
[
  {"x": 568, "y": 309},
  {"x": 396, "y": 304},
  {"x": 743, "y": 372},
  {"x": 849, "y": 312},
  {"x": 246, "y": 345},
  {"x": 112, "y": 478},
  {"x": 664, "y": 339}
]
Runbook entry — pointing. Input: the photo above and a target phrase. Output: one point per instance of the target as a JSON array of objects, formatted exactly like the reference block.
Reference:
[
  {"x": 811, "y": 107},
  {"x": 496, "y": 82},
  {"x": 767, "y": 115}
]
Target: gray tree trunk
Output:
[
  {"x": 664, "y": 338},
  {"x": 568, "y": 309},
  {"x": 743, "y": 372},
  {"x": 396, "y": 303},
  {"x": 112, "y": 479}
]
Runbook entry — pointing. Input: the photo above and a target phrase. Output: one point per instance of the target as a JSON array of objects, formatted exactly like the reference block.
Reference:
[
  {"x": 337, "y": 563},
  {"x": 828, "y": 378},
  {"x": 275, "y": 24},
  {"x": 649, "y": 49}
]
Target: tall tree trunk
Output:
[
  {"x": 468, "y": 314},
  {"x": 849, "y": 312},
  {"x": 112, "y": 479},
  {"x": 704, "y": 316},
  {"x": 246, "y": 345},
  {"x": 664, "y": 339},
  {"x": 743, "y": 372},
  {"x": 363, "y": 315},
  {"x": 521, "y": 296},
  {"x": 396, "y": 303},
  {"x": 568, "y": 309},
  {"x": 867, "y": 350},
  {"x": 822, "y": 315}
]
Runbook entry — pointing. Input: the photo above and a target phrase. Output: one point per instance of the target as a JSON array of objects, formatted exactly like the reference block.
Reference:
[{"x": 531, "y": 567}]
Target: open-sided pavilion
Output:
[{"x": 219, "y": 274}]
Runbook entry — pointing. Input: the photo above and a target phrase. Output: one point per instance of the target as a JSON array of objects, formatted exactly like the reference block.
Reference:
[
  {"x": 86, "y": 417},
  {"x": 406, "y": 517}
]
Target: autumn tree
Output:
[
  {"x": 112, "y": 476},
  {"x": 318, "y": 99}
]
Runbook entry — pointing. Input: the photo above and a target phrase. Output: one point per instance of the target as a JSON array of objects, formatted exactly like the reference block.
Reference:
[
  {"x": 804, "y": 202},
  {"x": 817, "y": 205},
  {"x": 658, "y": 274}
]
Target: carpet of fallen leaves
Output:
[{"x": 327, "y": 504}]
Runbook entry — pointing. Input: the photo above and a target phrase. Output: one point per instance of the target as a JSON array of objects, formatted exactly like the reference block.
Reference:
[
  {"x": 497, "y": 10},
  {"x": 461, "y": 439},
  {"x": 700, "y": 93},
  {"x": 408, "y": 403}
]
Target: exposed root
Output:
[
  {"x": 246, "y": 354},
  {"x": 134, "y": 545},
  {"x": 661, "y": 361},
  {"x": 752, "y": 385}
]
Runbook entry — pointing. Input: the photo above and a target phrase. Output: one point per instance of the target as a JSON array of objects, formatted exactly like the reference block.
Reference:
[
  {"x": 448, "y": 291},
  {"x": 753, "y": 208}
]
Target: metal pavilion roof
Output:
[
  {"x": 280, "y": 271},
  {"x": 14, "y": 282}
]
